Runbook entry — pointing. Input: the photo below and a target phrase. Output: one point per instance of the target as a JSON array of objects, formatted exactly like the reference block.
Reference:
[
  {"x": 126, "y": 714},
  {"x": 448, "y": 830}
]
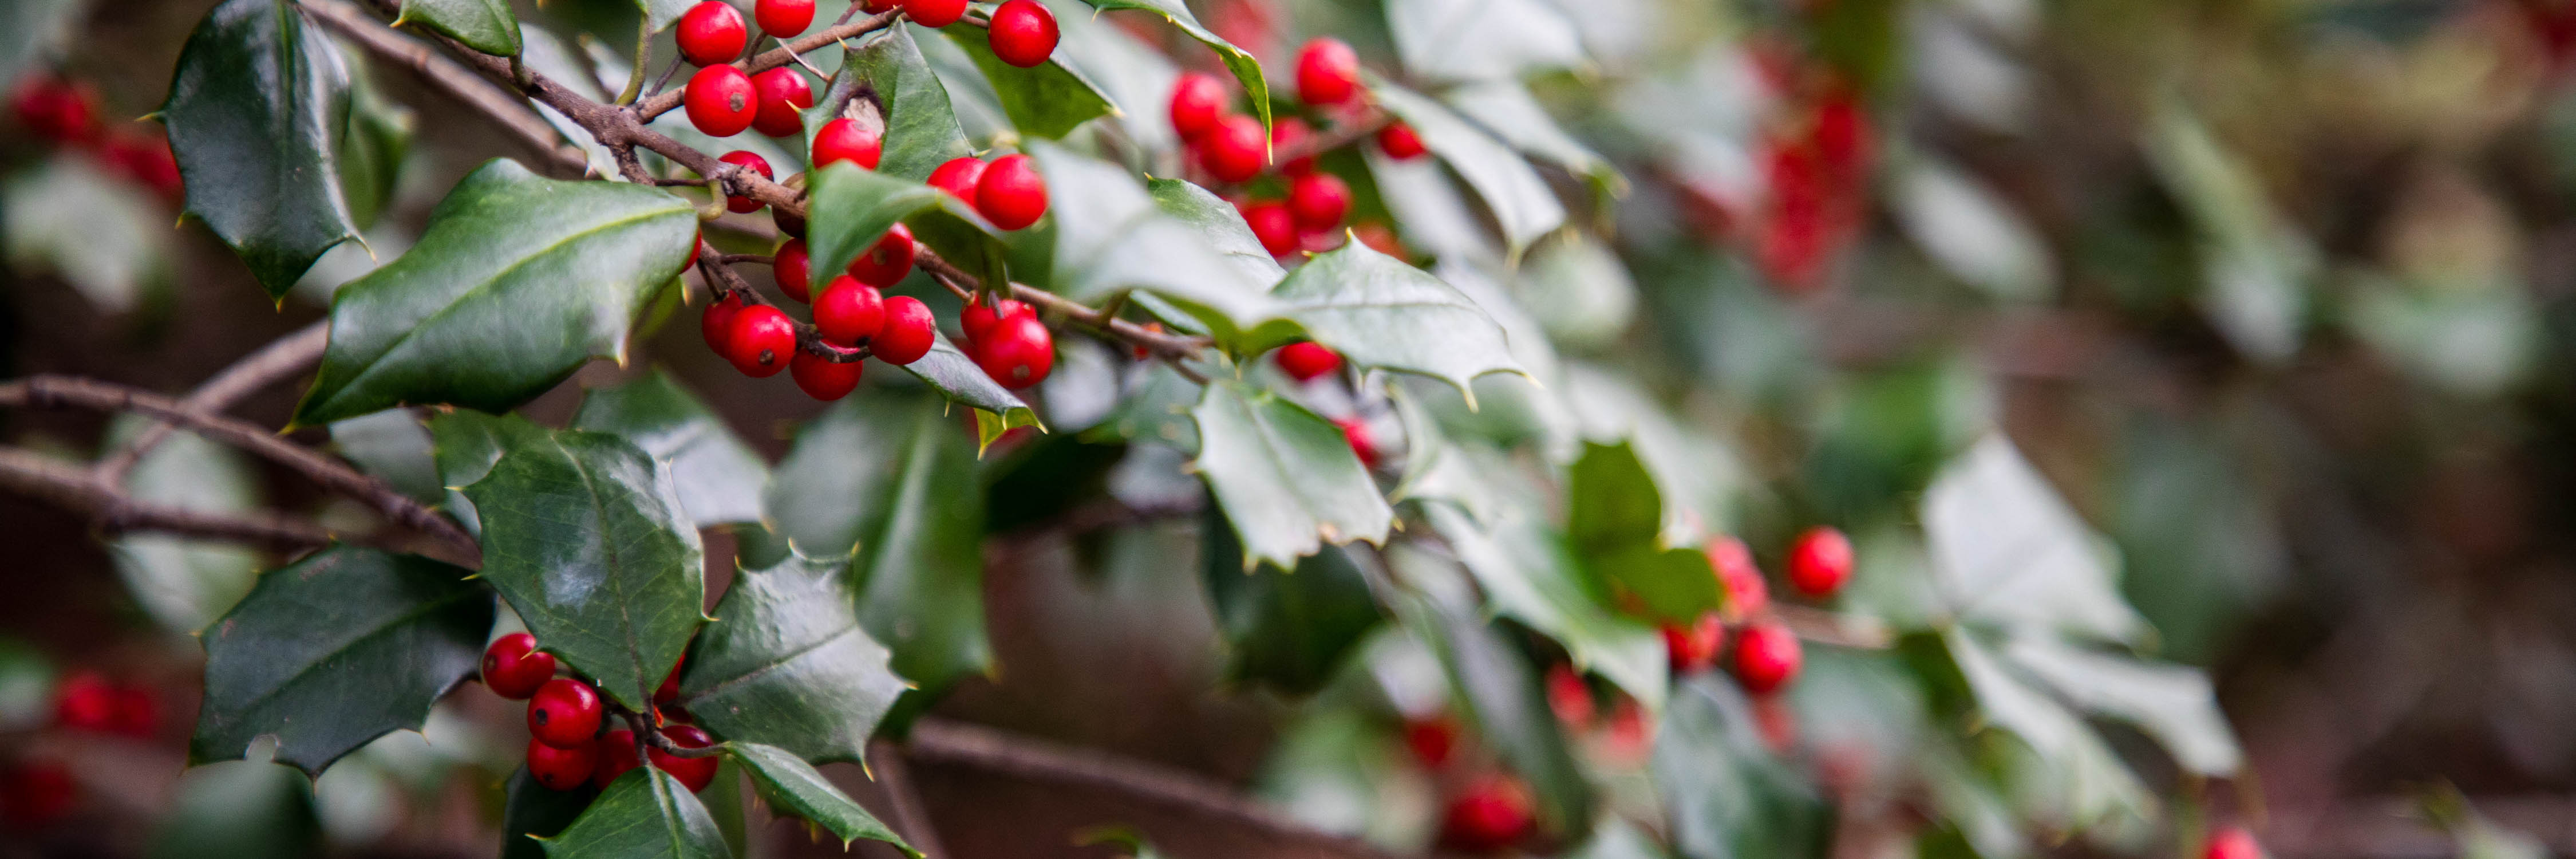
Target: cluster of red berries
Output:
[
  {"x": 1487, "y": 810},
  {"x": 722, "y": 101},
  {"x": 39, "y": 792},
  {"x": 2232, "y": 842},
  {"x": 566, "y": 746},
  {"x": 65, "y": 112},
  {"x": 1230, "y": 147},
  {"x": 1767, "y": 655}
]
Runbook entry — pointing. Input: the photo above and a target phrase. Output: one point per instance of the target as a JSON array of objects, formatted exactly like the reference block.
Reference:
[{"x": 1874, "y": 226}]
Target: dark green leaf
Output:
[
  {"x": 371, "y": 151},
  {"x": 719, "y": 478},
  {"x": 1379, "y": 312},
  {"x": 518, "y": 281},
  {"x": 1110, "y": 236},
  {"x": 1285, "y": 477},
  {"x": 256, "y": 113},
  {"x": 887, "y": 473},
  {"x": 393, "y": 445},
  {"x": 645, "y": 814},
  {"x": 852, "y": 207},
  {"x": 1246, "y": 68},
  {"x": 1614, "y": 520},
  {"x": 1505, "y": 108},
  {"x": 1468, "y": 40},
  {"x": 239, "y": 810},
  {"x": 532, "y": 812},
  {"x": 955, "y": 376},
  {"x": 1727, "y": 795},
  {"x": 336, "y": 650},
  {"x": 465, "y": 443},
  {"x": 921, "y": 127},
  {"x": 1501, "y": 692},
  {"x": 582, "y": 535},
  {"x": 1046, "y": 100},
  {"x": 792, "y": 787},
  {"x": 1290, "y": 629},
  {"x": 1527, "y": 576},
  {"x": 785, "y": 663},
  {"x": 2007, "y": 550},
  {"x": 1521, "y": 202},
  {"x": 484, "y": 25}
]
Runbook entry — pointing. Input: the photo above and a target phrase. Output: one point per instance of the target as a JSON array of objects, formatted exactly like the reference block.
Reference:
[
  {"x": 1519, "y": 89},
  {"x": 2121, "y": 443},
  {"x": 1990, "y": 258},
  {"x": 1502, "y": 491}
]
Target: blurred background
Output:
[{"x": 2280, "y": 294}]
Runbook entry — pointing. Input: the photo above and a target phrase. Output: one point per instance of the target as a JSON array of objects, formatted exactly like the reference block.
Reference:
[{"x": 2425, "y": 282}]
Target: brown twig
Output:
[
  {"x": 966, "y": 285},
  {"x": 1840, "y": 630},
  {"x": 886, "y": 762},
  {"x": 286, "y": 356},
  {"x": 455, "y": 80},
  {"x": 722, "y": 280},
  {"x": 79, "y": 489}
]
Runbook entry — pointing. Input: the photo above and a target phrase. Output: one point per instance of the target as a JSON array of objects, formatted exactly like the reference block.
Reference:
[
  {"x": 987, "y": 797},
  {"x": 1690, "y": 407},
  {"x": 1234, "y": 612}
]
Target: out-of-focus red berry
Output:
[
  {"x": 1491, "y": 815},
  {"x": 1746, "y": 594},
  {"x": 1569, "y": 697}
]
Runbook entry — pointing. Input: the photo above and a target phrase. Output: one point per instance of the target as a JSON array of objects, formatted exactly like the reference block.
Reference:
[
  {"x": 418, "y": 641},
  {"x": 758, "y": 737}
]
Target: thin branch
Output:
[
  {"x": 446, "y": 75},
  {"x": 722, "y": 281},
  {"x": 284, "y": 357},
  {"x": 655, "y": 739},
  {"x": 887, "y": 764},
  {"x": 1840, "y": 630},
  {"x": 76, "y": 488},
  {"x": 1161, "y": 343}
]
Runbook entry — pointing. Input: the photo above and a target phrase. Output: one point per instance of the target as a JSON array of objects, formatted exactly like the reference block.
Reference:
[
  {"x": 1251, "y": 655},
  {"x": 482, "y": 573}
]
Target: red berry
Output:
[
  {"x": 1820, "y": 561},
  {"x": 138, "y": 712},
  {"x": 1766, "y": 657},
  {"x": 1569, "y": 697},
  {"x": 1378, "y": 238},
  {"x": 720, "y": 100},
  {"x": 1023, "y": 32},
  {"x": 1307, "y": 360},
  {"x": 1018, "y": 352},
  {"x": 1746, "y": 594},
  {"x": 978, "y": 320},
  {"x": 1328, "y": 72},
  {"x": 85, "y": 702},
  {"x": 762, "y": 342},
  {"x": 58, "y": 110},
  {"x": 1399, "y": 142},
  {"x": 784, "y": 95},
  {"x": 1232, "y": 151},
  {"x": 845, "y": 140},
  {"x": 1272, "y": 224},
  {"x": 711, "y": 34},
  {"x": 1630, "y": 737},
  {"x": 1694, "y": 648},
  {"x": 513, "y": 667},
  {"x": 783, "y": 18},
  {"x": 1356, "y": 432},
  {"x": 1318, "y": 202},
  {"x": 1011, "y": 194},
  {"x": 564, "y": 713},
  {"x": 2233, "y": 843},
  {"x": 669, "y": 691},
  {"x": 848, "y": 311},
  {"x": 1198, "y": 101},
  {"x": 934, "y": 13},
  {"x": 958, "y": 177},
  {"x": 1489, "y": 816},
  {"x": 37, "y": 794},
  {"x": 880, "y": 7},
  {"x": 146, "y": 159},
  {"x": 717, "y": 325},
  {"x": 560, "y": 768},
  {"x": 793, "y": 269},
  {"x": 695, "y": 773},
  {"x": 615, "y": 753},
  {"x": 887, "y": 261},
  {"x": 1290, "y": 134},
  {"x": 822, "y": 378},
  {"x": 1432, "y": 740},
  {"x": 753, "y": 163},
  {"x": 907, "y": 333}
]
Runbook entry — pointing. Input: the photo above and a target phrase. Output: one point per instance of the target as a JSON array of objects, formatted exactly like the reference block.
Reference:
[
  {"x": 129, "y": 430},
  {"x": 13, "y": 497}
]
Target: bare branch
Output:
[
  {"x": 1170, "y": 345},
  {"x": 76, "y": 488},
  {"x": 286, "y": 356},
  {"x": 444, "y": 74},
  {"x": 887, "y": 764},
  {"x": 1840, "y": 630}
]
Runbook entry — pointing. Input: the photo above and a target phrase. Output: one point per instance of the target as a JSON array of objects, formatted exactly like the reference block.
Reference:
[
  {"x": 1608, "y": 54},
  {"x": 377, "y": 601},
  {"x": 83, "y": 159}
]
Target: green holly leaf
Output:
[
  {"x": 1519, "y": 199},
  {"x": 921, "y": 126},
  {"x": 239, "y": 810},
  {"x": 518, "y": 281},
  {"x": 393, "y": 445},
  {"x": 1246, "y": 68},
  {"x": 851, "y": 207},
  {"x": 786, "y": 663},
  {"x": 1290, "y": 629},
  {"x": 582, "y": 535},
  {"x": 2085, "y": 779},
  {"x": 1111, "y": 236},
  {"x": 792, "y": 787},
  {"x": 1530, "y": 577},
  {"x": 1219, "y": 224},
  {"x": 256, "y": 113},
  {"x": 948, "y": 370},
  {"x": 1379, "y": 312},
  {"x": 1503, "y": 697},
  {"x": 372, "y": 148},
  {"x": 464, "y": 444},
  {"x": 886, "y": 473},
  {"x": 2008, "y": 551},
  {"x": 531, "y": 812},
  {"x": 341, "y": 648},
  {"x": 1286, "y": 477},
  {"x": 2172, "y": 703},
  {"x": 1505, "y": 107},
  {"x": 1726, "y": 794},
  {"x": 484, "y": 25},
  {"x": 719, "y": 478},
  {"x": 1046, "y": 100},
  {"x": 1614, "y": 517},
  {"x": 659, "y": 14},
  {"x": 644, "y": 814},
  {"x": 1471, "y": 40}
]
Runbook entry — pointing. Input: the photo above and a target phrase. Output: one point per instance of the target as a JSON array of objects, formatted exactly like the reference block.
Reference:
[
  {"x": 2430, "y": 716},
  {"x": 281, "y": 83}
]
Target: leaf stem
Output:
[{"x": 643, "y": 61}]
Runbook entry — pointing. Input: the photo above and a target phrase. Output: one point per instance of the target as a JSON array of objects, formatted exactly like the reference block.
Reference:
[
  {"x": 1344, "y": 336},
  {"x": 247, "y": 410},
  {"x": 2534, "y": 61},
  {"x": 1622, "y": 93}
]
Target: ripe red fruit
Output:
[
  {"x": 717, "y": 325},
  {"x": 1766, "y": 657},
  {"x": 979, "y": 320},
  {"x": 720, "y": 100},
  {"x": 560, "y": 768},
  {"x": 934, "y": 13},
  {"x": 37, "y": 794},
  {"x": 1318, "y": 201},
  {"x": 695, "y": 773},
  {"x": 1018, "y": 352},
  {"x": 783, "y": 18},
  {"x": 1307, "y": 360},
  {"x": 754, "y": 163},
  {"x": 1273, "y": 225},
  {"x": 144, "y": 158},
  {"x": 783, "y": 94},
  {"x": 137, "y": 713},
  {"x": 85, "y": 702},
  {"x": 844, "y": 139},
  {"x": 1356, "y": 432},
  {"x": 848, "y": 311},
  {"x": 1432, "y": 740},
  {"x": 1746, "y": 594},
  {"x": 1290, "y": 134},
  {"x": 1328, "y": 72},
  {"x": 907, "y": 333},
  {"x": 1491, "y": 815},
  {"x": 762, "y": 341},
  {"x": 1568, "y": 696},
  {"x": 669, "y": 691},
  {"x": 1629, "y": 737},
  {"x": 1198, "y": 101},
  {"x": 1694, "y": 649},
  {"x": 822, "y": 378},
  {"x": 711, "y": 34},
  {"x": 615, "y": 754},
  {"x": 1232, "y": 151},
  {"x": 1023, "y": 32},
  {"x": 1381, "y": 239},
  {"x": 1011, "y": 193},
  {"x": 958, "y": 177},
  {"x": 513, "y": 667},
  {"x": 2233, "y": 843},
  {"x": 793, "y": 269},
  {"x": 1820, "y": 561},
  {"x": 887, "y": 261},
  {"x": 1399, "y": 141},
  {"x": 564, "y": 713},
  {"x": 58, "y": 110}
]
